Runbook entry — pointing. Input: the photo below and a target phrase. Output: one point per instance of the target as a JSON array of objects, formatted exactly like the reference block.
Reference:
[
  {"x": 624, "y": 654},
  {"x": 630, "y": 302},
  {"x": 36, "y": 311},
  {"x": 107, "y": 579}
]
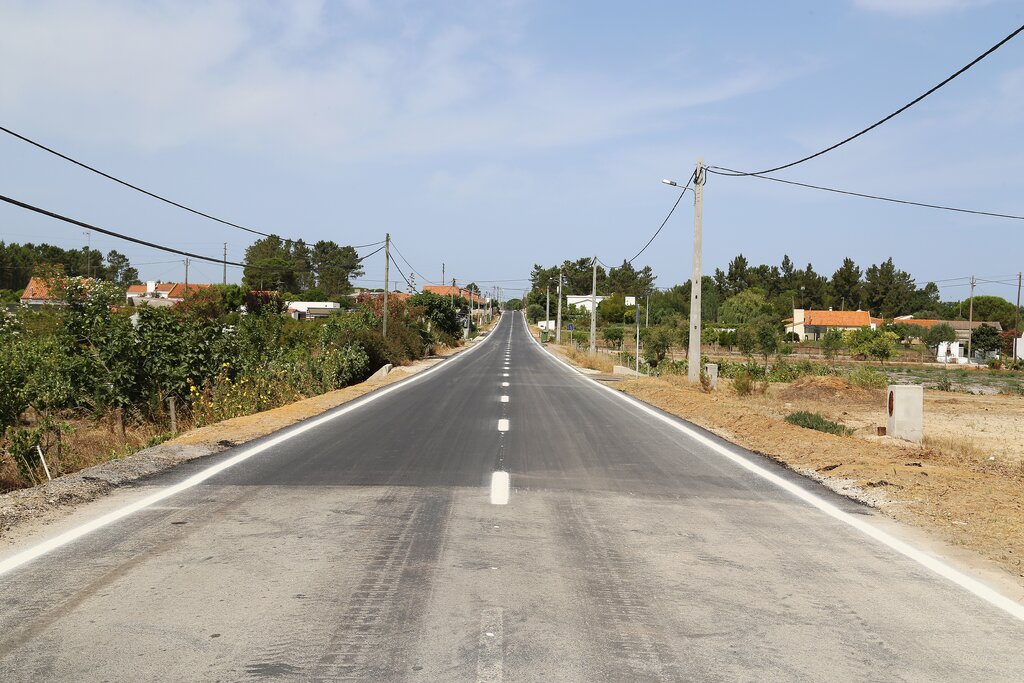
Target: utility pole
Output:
[
  {"x": 647, "y": 311},
  {"x": 693, "y": 365},
  {"x": 558, "y": 322},
  {"x": 225, "y": 263},
  {"x": 593, "y": 311},
  {"x": 1016, "y": 322},
  {"x": 387, "y": 259},
  {"x": 970, "y": 321},
  {"x": 637, "y": 341},
  {"x": 547, "y": 311},
  {"x": 186, "y": 275},
  {"x": 88, "y": 253}
]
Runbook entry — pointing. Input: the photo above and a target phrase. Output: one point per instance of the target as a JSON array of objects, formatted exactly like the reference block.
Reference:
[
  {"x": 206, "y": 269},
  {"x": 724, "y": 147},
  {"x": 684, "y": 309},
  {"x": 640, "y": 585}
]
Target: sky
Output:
[{"x": 490, "y": 136}]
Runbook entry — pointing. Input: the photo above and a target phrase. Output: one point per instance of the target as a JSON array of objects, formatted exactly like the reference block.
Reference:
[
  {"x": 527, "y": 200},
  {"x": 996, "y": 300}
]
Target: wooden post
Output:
[{"x": 174, "y": 420}]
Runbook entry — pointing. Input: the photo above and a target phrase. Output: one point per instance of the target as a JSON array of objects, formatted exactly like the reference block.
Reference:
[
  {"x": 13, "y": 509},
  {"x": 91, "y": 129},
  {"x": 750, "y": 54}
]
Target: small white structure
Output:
[
  {"x": 546, "y": 324},
  {"x": 711, "y": 370},
  {"x": 1019, "y": 348},
  {"x": 905, "y": 411},
  {"x": 583, "y": 301},
  {"x": 303, "y": 310},
  {"x": 954, "y": 353}
]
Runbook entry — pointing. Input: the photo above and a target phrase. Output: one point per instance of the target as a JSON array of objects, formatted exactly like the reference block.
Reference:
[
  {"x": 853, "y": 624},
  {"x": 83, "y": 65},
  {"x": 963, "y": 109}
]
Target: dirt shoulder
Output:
[
  {"x": 963, "y": 485},
  {"x": 44, "y": 504}
]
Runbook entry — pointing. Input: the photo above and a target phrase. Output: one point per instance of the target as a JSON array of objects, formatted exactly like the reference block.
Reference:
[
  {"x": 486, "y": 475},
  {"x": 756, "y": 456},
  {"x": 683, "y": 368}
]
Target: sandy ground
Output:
[{"x": 965, "y": 484}]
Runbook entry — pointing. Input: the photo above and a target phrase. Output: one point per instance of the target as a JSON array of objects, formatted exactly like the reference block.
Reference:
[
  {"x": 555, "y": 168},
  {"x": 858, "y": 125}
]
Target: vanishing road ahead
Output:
[{"x": 367, "y": 547}]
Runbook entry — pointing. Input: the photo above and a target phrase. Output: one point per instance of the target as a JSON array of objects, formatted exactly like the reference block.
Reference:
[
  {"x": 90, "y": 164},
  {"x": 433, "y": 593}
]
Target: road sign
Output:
[
  {"x": 571, "y": 327},
  {"x": 631, "y": 301}
]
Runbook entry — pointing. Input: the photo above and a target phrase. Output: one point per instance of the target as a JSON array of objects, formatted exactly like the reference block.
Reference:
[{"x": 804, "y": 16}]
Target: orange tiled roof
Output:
[
  {"x": 177, "y": 289},
  {"x": 837, "y": 318},
  {"x": 38, "y": 289},
  {"x": 136, "y": 289},
  {"x": 449, "y": 290}
]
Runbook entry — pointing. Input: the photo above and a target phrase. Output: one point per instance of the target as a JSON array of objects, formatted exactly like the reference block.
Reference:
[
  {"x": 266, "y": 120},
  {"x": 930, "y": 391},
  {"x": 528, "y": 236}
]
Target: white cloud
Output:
[
  {"x": 331, "y": 80},
  {"x": 905, "y": 8}
]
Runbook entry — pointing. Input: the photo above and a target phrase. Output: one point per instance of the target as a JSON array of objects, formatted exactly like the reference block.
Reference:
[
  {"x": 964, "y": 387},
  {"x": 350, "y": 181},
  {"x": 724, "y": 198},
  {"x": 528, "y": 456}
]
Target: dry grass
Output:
[{"x": 594, "y": 361}]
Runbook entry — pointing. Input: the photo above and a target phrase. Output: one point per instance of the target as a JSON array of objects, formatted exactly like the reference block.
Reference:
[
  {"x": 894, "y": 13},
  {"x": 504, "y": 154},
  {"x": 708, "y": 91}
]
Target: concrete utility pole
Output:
[
  {"x": 647, "y": 311},
  {"x": 1016, "y": 321},
  {"x": 387, "y": 259},
  {"x": 558, "y": 322},
  {"x": 225, "y": 263},
  {"x": 593, "y": 311},
  {"x": 186, "y": 275},
  {"x": 547, "y": 311},
  {"x": 970, "y": 320},
  {"x": 637, "y": 340},
  {"x": 693, "y": 358}
]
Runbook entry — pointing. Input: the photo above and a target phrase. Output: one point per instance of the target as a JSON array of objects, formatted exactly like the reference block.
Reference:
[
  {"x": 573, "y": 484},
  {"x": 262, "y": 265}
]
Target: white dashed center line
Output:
[
  {"x": 502, "y": 425},
  {"x": 504, "y": 399}
]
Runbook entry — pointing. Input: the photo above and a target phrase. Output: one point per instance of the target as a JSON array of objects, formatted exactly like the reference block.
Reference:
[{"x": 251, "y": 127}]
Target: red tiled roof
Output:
[
  {"x": 136, "y": 289},
  {"x": 837, "y": 318},
  {"x": 38, "y": 289},
  {"x": 177, "y": 289},
  {"x": 449, "y": 290}
]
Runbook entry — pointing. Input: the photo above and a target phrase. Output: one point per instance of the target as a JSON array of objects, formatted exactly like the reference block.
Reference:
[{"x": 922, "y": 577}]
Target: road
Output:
[{"x": 367, "y": 548}]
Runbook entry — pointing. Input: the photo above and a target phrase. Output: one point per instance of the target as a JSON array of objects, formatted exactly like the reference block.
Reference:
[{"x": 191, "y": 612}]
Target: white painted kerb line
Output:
[
  {"x": 26, "y": 556},
  {"x": 500, "y": 486},
  {"x": 502, "y": 425},
  {"x": 937, "y": 566}
]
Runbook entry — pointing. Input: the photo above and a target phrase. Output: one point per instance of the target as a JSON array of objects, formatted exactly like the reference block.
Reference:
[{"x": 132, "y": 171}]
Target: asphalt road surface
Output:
[{"x": 367, "y": 547}]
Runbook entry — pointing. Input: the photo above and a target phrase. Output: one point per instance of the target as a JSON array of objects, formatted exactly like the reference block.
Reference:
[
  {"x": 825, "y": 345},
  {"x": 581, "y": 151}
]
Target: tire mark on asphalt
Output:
[
  {"x": 379, "y": 624},
  {"x": 624, "y": 627}
]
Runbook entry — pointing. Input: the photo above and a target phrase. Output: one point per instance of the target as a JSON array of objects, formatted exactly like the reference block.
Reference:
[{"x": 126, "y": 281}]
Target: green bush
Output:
[
  {"x": 868, "y": 378},
  {"x": 817, "y": 422},
  {"x": 743, "y": 383}
]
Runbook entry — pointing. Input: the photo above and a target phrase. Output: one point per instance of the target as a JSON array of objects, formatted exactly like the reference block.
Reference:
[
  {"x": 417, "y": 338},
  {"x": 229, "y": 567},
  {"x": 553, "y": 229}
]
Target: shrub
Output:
[
  {"x": 868, "y": 378},
  {"x": 817, "y": 422},
  {"x": 944, "y": 384},
  {"x": 743, "y": 383}
]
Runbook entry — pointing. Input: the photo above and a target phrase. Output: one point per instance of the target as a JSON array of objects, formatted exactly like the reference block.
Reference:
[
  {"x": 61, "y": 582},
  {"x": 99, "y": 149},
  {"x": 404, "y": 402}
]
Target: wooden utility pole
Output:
[
  {"x": 693, "y": 358},
  {"x": 593, "y": 311},
  {"x": 387, "y": 259},
  {"x": 970, "y": 321},
  {"x": 225, "y": 263}
]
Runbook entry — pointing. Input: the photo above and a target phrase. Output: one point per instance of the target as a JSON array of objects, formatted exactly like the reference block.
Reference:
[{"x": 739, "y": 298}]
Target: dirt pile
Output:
[{"x": 813, "y": 388}]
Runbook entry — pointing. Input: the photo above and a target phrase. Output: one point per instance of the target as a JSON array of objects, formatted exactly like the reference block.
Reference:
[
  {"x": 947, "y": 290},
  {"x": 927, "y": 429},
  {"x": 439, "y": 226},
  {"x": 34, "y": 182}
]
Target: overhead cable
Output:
[
  {"x": 664, "y": 222},
  {"x": 112, "y": 233},
  {"x": 896, "y": 113},
  {"x": 422, "y": 276},
  {"x": 134, "y": 187},
  {"x": 399, "y": 270},
  {"x": 718, "y": 170}
]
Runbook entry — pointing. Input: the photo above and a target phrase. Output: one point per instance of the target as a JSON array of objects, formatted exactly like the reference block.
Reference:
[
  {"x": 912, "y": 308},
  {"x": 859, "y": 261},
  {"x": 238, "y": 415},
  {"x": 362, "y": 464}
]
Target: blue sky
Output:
[{"x": 494, "y": 135}]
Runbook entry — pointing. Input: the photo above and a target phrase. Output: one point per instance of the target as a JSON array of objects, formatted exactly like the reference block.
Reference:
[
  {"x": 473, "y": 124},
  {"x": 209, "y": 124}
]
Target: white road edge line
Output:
[
  {"x": 933, "y": 564},
  {"x": 500, "y": 486},
  {"x": 502, "y": 425},
  {"x": 19, "y": 559}
]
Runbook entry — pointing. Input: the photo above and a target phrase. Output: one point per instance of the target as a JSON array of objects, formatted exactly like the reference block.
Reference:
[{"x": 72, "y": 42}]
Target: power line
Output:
[
  {"x": 363, "y": 258},
  {"x": 399, "y": 272},
  {"x": 127, "y": 238},
  {"x": 670, "y": 212},
  {"x": 718, "y": 170},
  {"x": 899, "y": 111},
  {"x": 130, "y": 185},
  {"x": 422, "y": 276}
]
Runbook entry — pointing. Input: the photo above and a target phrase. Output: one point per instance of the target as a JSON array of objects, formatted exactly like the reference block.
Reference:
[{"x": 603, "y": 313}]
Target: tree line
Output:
[{"x": 18, "y": 262}]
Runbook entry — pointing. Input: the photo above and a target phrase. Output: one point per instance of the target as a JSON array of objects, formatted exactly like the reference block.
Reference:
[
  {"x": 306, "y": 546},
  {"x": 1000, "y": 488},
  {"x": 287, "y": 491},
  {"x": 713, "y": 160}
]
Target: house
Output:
[
  {"x": 584, "y": 301},
  {"x": 37, "y": 292},
  {"x": 809, "y": 324},
  {"x": 963, "y": 328},
  {"x": 310, "y": 310},
  {"x": 173, "y": 292},
  {"x": 450, "y": 290}
]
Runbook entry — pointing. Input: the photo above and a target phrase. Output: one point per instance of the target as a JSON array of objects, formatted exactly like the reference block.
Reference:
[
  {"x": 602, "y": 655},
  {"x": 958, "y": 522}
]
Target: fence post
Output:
[
  {"x": 43, "y": 460},
  {"x": 174, "y": 420}
]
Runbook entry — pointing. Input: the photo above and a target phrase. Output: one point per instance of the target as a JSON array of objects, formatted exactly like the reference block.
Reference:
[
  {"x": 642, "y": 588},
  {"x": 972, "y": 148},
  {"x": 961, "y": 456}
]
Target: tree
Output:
[
  {"x": 883, "y": 346},
  {"x": 938, "y": 334},
  {"x": 657, "y": 345},
  {"x": 513, "y": 305},
  {"x": 119, "y": 269},
  {"x": 613, "y": 335},
  {"x": 766, "y": 339},
  {"x": 627, "y": 280},
  {"x": 746, "y": 307},
  {"x": 888, "y": 292},
  {"x": 613, "y": 310},
  {"x": 334, "y": 267},
  {"x": 831, "y": 342},
  {"x": 846, "y": 286},
  {"x": 985, "y": 340},
  {"x": 534, "y": 312}
]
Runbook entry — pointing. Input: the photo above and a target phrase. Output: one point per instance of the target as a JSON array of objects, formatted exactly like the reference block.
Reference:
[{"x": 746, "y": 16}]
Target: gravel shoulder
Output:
[{"x": 27, "y": 511}]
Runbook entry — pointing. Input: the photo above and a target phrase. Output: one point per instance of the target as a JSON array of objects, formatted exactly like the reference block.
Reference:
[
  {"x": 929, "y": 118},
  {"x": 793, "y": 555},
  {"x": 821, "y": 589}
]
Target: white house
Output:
[{"x": 583, "y": 301}]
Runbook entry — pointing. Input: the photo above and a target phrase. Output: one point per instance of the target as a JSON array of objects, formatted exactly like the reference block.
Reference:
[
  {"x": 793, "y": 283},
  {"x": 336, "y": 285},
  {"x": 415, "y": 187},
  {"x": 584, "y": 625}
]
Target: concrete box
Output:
[
  {"x": 711, "y": 370},
  {"x": 905, "y": 411}
]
